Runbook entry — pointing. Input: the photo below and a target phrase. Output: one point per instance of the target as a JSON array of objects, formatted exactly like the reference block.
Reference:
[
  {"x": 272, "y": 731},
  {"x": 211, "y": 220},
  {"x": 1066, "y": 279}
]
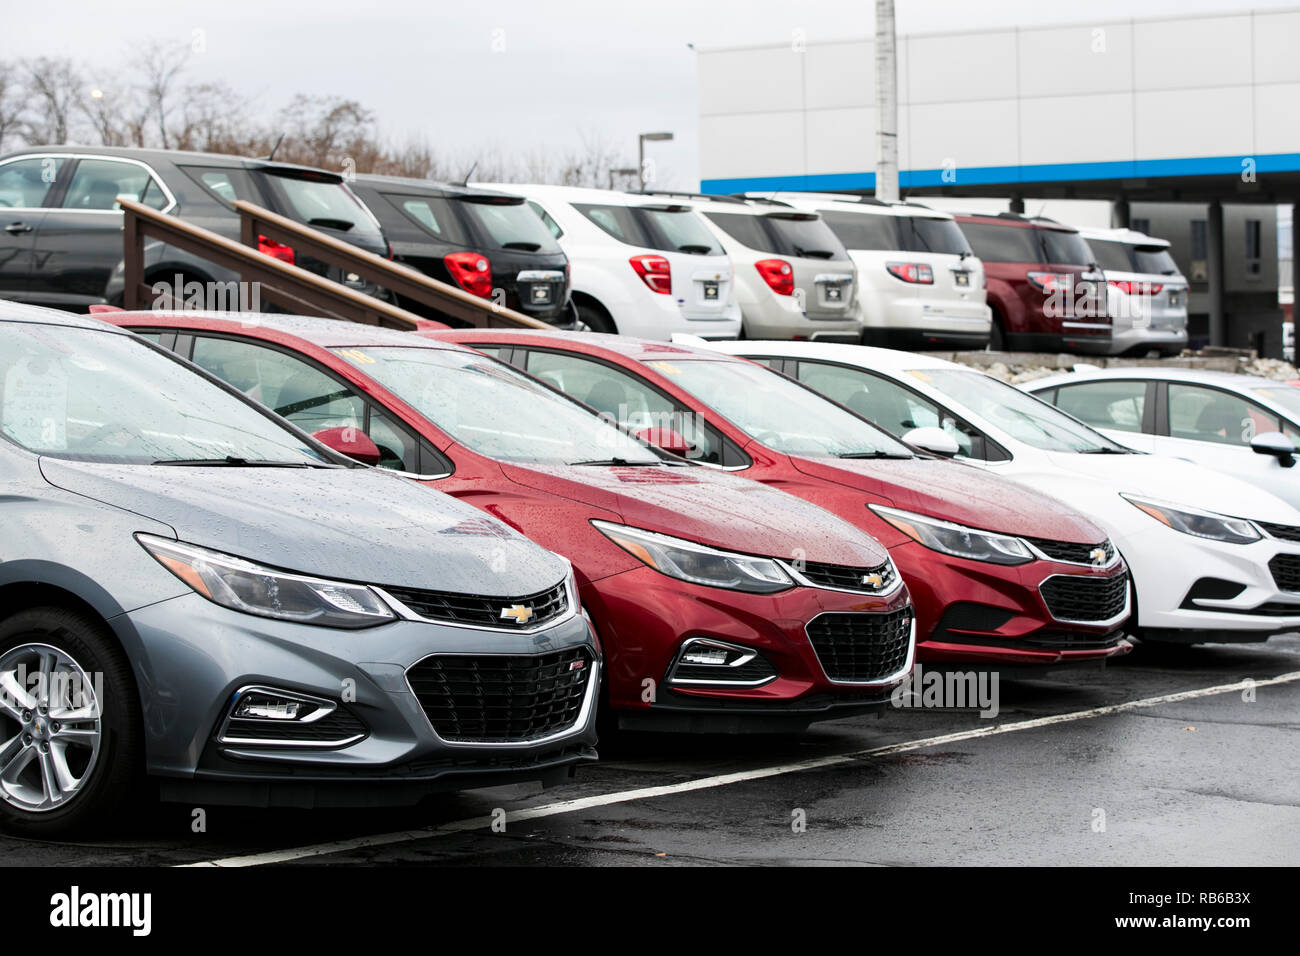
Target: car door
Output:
[
  {"x": 26, "y": 185},
  {"x": 79, "y": 241},
  {"x": 1123, "y": 410},
  {"x": 1214, "y": 427}
]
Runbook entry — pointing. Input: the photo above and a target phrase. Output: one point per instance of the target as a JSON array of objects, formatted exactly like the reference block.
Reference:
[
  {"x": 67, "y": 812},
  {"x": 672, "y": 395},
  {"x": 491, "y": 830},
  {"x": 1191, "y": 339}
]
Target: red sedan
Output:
[
  {"x": 720, "y": 602},
  {"x": 999, "y": 573}
]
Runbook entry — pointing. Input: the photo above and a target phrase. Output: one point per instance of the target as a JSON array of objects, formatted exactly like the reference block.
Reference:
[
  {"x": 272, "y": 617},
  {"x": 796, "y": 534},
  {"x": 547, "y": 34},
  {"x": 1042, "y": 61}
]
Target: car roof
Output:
[
  {"x": 1130, "y": 236},
  {"x": 320, "y": 331},
  {"x": 866, "y": 356},
  {"x": 584, "y": 194},
  {"x": 35, "y": 314},
  {"x": 1196, "y": 375},
  {"x": 430, "y": 187},
  {"x": 641, "y": 350},
  {"x": 1012, "y": 219},
  {"x": 172, "y": 156},
  {"x": 866, "y": 205}
]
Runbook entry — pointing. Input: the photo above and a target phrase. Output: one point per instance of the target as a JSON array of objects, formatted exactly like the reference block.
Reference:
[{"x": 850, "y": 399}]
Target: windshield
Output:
[
  {"x": 681, "y": 231},
  {"x": 1155, "y": 260},
  {"x": 98, "y": 396},
  {"x": 323, "y": 203},
  {"x": 1287, "y": 396},
  {"x": 513, "y": 226},
  {"x": 1065, "y": 248},
  {"x": 490, "y": 408},
  {"x": 805, "y": 236},
  {"x": 1017, "y": 413},
  {"x": 779, "y": 413}
]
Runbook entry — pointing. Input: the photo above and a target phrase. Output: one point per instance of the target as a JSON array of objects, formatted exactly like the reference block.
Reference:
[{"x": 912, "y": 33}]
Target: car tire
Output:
[
  {"x": 93, "y": 755},
  {"x": 997, "y": 337},
  {"x": 595, "y": 318}
]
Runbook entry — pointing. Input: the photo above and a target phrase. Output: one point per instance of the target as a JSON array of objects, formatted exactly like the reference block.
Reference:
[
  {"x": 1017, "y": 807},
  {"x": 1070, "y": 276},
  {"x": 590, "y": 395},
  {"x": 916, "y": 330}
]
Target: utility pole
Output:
[{"x": 886, "y": 103}]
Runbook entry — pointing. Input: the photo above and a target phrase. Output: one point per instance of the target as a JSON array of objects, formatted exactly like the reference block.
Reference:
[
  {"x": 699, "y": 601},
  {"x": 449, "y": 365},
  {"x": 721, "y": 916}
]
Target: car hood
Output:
[
  {"x": 710, "y": 507},
  {"x": 1177, "y": 482},
  {"x": 963, "y": 494},
  {"x": 346, "y": 523}
]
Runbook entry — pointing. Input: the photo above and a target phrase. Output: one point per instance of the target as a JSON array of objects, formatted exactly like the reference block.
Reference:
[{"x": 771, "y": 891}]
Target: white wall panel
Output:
[
  {"x": 1277, "y": 59},
  {"x": 840, "y": 74},
  {"x": 970, "y": 134},
  {"x": 1181, "y": 123},
  {"x": 960, "y": 67},
  {"x": 842, "y": 141},
  {"x": 750, "y": 81},
  {"x": 1076, "y": 129},
  {"x": 752, "y": 144},
  {"x": 1064, "y": 61},
  {"x": 1196, "y": 52}
]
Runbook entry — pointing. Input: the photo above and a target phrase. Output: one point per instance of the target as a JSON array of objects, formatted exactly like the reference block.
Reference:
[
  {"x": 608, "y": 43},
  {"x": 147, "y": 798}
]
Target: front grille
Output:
[
  {"x": 1064, "y": 641},
  {"x": 861, "y": 647},
  {"x": 340, "y": 725},
  {"x": 847, "y": 578},
  {"x": 482, "y": 611},
  {"x": 502, "y": 697},
  {"x": 1286, "y": 571},
  {"x": 1073, "y": 553},
  {"x": 1082, "y": 597},
  {"x": 1284, "y": 532}
]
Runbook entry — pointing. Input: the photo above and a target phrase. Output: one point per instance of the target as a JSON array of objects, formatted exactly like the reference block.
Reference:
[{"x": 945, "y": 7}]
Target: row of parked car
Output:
[
  {"x": 280, "y": 560},
  {"x": 777, "y": 266}
]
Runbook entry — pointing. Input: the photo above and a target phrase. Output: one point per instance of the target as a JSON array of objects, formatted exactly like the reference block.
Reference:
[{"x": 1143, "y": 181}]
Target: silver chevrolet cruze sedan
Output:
[{"x": 195, "y": 593}]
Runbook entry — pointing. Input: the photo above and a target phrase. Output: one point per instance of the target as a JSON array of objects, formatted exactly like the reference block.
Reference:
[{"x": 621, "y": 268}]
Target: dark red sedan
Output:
[
  {"x": 721, "y": 603},
  {"x": 974, "y": 549}
]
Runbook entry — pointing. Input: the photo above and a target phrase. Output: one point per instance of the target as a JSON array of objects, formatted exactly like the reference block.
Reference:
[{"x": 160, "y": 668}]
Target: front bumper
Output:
[
  {"x": 977, "y": 612},
  {"x": 197, "y": 655},
  {"x": 644, "y": 617}
]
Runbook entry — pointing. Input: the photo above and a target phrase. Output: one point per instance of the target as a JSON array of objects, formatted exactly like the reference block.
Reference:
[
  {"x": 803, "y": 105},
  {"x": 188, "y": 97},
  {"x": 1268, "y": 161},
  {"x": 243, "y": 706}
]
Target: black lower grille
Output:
[
  {"x": 1082, "y": 597},
  {"x": 1286, "y": 571},
  {"x": 848, "y": 578},
  {"x": 340, "y": 725},
  {"x": 1284, "y": 532},
  {"x": 484, "y": 611},
  {"x": 1074, "y": 553},
  {"x": 502, "y": 697},
  {"x": 862, "y": 647}
]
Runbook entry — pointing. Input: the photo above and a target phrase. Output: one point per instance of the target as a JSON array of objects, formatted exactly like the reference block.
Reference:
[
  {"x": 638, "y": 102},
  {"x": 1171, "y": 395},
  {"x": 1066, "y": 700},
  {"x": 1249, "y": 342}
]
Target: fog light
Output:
[
  {"x": 707, "y": 655},
  {"x": 703, "y": 661},
  {"x": 265, "y": 707}
]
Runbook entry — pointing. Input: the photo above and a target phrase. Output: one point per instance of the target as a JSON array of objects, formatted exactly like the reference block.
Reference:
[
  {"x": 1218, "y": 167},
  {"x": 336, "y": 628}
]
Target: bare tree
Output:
[
  {"x": 327, "y": 132},
  {"x": 53, "y": 87},
  {"x": 160, "y": 65},
  {"x": 11, "y": 102}
]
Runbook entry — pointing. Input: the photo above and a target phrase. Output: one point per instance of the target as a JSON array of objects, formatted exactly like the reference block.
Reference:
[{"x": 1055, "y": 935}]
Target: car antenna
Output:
[
  {"x": 465, "y": 180},
  {"x": 274, "y": 148}
]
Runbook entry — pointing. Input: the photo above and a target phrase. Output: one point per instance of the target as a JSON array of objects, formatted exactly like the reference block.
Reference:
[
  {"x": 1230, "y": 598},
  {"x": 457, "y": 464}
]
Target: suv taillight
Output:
[
  {"x": 275, "y": 250},
  {"x": 1053, "y": 281},
  {"x": 655, "y": 271},
  {"x": 777, "y": 274},
  {"x": 917, "y": 272},
  {"x": 1128, "y": 287},
  {"x": 472, "y": 272}
]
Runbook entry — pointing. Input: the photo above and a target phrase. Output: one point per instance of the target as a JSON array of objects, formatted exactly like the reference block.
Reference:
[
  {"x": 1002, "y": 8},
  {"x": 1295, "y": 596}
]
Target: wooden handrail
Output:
[
  {"x": 287, "y": 286},
  {"x": 396, "y": 277}
]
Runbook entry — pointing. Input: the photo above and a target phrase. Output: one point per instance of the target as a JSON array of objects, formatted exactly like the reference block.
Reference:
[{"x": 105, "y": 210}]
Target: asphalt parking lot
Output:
[{"x": 1174, "y": 770}]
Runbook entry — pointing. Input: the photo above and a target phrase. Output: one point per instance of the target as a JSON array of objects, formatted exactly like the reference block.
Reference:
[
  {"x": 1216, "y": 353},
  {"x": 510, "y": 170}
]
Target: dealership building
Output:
[{"x": 1187, "y": 128}]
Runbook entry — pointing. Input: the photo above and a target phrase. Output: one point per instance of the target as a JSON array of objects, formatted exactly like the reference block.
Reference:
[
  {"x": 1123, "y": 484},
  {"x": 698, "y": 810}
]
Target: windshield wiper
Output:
[
  {"x": 231, "y": 461},
  {"x": 814, "y": 253},
  {"x": 342, "y": 225},
  {"x": 523, "y": 246},
  {"x": 620, "y": 462},
  {"x": 872, "y": 454},
  {"x": 1107, "y": 451},
  {"x": 695, "y": 249}
]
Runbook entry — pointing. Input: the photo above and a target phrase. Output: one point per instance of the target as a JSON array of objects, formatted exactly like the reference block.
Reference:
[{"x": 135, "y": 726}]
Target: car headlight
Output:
[
  {"x": 244, "y": 586},
  {"x": 697, "y": 563},
  {"x": 1202, "y": 524},
  {"x": 957, "y": 540}
]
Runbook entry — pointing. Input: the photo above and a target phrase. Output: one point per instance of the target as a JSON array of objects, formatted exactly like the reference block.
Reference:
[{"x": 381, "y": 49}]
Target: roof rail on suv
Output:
[{"x": 688, "y": 195}]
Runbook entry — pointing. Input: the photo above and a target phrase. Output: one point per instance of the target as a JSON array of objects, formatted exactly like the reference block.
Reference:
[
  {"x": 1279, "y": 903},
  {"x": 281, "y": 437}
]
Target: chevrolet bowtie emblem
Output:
[
  {"x": 873, "y": 579},
  {"x": 1097, "y": 555},
  {"x": 517, "y": 613}
]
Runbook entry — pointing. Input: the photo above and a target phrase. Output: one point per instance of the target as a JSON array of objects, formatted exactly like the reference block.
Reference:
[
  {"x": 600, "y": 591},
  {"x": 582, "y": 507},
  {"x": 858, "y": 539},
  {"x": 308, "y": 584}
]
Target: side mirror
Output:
[
  {"x": 934, "y": 440},
  {"x": 669, "y": 439},
  {"x": 1275, "y": 444},
  {"x": 350, "y": 441}
]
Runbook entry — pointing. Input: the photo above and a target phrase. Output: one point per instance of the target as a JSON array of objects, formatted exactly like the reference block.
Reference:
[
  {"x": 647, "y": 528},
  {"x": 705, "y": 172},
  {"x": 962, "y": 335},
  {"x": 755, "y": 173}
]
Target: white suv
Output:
[
  {"x": 919, "y": 284},
  {"x": 794, "y": 279},
  {"x": 641, "y": 265},
  {"x": 1146, "y": 295}
]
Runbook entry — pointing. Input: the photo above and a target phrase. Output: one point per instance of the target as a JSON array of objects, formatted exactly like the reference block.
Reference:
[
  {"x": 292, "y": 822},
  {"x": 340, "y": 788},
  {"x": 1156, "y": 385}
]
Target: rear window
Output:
[
  {"x": 928, "y": 234},
  {"x": 1112, "y": 256},
  {"x": 1065, "y": 248},
  {"x": 803, "y": 235},
  {"x": 746, "y": 230},
  {"x": 1003, "y": 243},
  {"x": 1155, "y": 260},
  {"x": 323, "y": 203},
  {"x": 863, "y": 230},
  {"x": 668, "y": 230},
  {"x": 617, "y": 221},
  {"x": 511, "y": 226}
]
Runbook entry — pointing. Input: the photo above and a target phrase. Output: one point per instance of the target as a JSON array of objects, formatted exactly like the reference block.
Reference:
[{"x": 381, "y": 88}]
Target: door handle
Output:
[{"x": 16, "y": 227}]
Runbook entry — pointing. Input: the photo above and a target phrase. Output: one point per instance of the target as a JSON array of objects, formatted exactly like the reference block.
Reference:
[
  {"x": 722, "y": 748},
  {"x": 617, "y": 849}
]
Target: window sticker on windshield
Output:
[
  {"x": 668, "y": 368},
  {"x": 36, "y": 404},
  {"x": 917, "y": 373},
  {"x": 356, "y": 356}
]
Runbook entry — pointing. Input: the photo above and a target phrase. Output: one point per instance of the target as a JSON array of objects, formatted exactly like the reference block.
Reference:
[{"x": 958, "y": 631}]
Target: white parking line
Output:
[{"x": 722, "y": 780}]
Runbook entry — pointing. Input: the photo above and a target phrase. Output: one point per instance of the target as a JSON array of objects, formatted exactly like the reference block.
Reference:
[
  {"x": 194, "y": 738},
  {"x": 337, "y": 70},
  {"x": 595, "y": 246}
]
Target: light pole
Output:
[{"x": 640, "y": 153}]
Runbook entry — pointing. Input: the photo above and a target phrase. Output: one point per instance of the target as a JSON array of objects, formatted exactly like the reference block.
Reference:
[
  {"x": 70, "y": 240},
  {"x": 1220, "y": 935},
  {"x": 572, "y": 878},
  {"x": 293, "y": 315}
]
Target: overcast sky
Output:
[{"x": 506, "y": 75}]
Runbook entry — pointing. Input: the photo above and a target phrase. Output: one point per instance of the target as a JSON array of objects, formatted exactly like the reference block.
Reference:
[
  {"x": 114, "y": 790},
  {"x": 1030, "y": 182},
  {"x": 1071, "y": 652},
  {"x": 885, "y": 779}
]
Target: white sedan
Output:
[
  {"x": 1213, "y": 559},
  {"x": 1242, "y": 425}
]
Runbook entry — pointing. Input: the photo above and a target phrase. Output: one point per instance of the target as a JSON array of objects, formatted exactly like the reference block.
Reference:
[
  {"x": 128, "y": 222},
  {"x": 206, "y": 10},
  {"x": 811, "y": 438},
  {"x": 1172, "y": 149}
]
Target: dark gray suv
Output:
[
  {"x": 61, "y": 228},
  {"x": 194, "y": 590}
]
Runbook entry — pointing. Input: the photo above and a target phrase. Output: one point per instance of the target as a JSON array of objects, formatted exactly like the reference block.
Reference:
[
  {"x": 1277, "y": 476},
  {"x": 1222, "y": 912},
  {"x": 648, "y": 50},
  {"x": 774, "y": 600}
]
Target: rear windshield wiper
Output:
[
  {"x": 523, "y": 246},
  {"x": 340, "y": 224},
  {"x": 695, "y": 249},
  {"x": 1107, "y": 451},
  {"x": 872, "y": 454},
  {"x": 231, "y": 461},
  {"x": 620, "y": 462},
  {"x": 814, "y": 253}
]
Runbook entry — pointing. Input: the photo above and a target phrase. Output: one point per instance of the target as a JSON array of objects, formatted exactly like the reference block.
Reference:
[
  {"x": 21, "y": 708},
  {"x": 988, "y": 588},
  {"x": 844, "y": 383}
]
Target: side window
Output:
[
  {"x": 627, "y": 400},
  {"x": 289, "y": 386},
  {"x": 1207, "y": 414},
  {"x": 398, "y": 448},
  {"x": 24, "y": 183},
  {"x": 1117, "y": 405},
  {"x": 545, "y": 216},
  {"x": 435, "y": 215},
  {"x": 226, "y": 184},
  {"x": 97, "y": 184}
]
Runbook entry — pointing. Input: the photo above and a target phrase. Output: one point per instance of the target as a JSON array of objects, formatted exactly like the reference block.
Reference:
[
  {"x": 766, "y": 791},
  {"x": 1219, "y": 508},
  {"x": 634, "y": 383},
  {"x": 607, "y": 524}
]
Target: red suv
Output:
[
  {"x": 1046, "y": 291},
  {"x": 720, "y": 603},
  {"x": 973, "y": 548}
]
